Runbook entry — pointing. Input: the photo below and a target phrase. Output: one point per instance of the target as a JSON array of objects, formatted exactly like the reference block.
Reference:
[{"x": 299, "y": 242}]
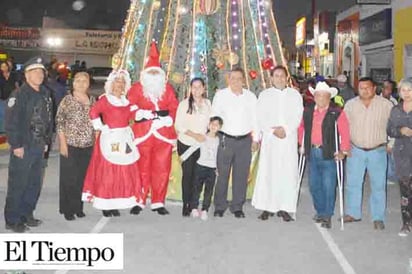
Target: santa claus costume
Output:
[
  {"x": 154, "y": 131},
  {"x": 113, "y": 180}
]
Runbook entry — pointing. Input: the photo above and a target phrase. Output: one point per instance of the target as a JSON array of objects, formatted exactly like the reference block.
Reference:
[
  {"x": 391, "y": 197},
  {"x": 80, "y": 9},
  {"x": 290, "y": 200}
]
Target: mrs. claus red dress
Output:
[{"x": 113, "y": 179}]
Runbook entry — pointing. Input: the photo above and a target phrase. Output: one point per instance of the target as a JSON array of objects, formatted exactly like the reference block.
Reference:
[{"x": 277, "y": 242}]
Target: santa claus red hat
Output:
[{"x": 153, "y": 58}]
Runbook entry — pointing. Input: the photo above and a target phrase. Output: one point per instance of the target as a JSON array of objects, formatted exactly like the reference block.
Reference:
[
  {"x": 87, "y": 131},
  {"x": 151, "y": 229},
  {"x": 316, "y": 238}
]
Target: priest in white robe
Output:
[{"x": 279, "y": 112}]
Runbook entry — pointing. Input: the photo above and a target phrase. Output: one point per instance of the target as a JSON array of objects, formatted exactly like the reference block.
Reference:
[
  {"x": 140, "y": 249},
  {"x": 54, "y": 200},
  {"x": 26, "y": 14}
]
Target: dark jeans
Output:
[
  {"x": 322, "y": 183},
  {"x": 72, "y": 172},
  {"x": 405, "y": 184},
  {"x": 391, "y": 174},
  {"x": 203, "y": 176},
  {"x": 188, "y": 173},
  {"x": 2, "y": 114},
  {"x": 232, "y": 155},
  {"x": 23, "y": 186}
]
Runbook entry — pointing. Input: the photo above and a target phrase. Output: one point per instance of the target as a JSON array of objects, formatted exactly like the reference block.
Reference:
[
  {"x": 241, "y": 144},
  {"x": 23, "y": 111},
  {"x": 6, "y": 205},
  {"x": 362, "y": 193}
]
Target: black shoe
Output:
[
  {"x": 239, "y": 214},
  {"x": 378, "y": 225},
  {"x": 161, "y": 211},
  {"x": 80, "y": 214},
  {"x": 115, "y": 212},
  {"x": 326, "y": 223},
  {"x": 69, "y": 217},
  {"x": 136, "y": 210},
  {"x": 265, "y": 215},
  {"x": 32, "y": 222},
  {"x": 285, "y": 216},
  {"x": 107, "y": 213},
  {"x": 186, "y": 211},
  {"x": 317, "y": 219},
  {"x": 218, "y": 213},
  {"x": 17, "y": 228}
]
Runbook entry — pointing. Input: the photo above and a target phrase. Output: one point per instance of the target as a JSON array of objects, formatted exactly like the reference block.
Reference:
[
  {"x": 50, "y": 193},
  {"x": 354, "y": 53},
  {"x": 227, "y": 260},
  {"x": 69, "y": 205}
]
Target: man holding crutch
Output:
[{"x": 319, "y": 143}]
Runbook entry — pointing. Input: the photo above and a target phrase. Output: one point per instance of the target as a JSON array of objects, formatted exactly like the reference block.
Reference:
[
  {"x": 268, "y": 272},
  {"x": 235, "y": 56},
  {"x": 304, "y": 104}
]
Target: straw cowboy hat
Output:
[{"x": 322, "y": 86}]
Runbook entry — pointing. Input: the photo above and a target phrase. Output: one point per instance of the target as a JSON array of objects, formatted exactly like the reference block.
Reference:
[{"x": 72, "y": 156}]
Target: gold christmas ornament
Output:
[
  {"x": 208, "y": 7},
  {"x": 220, "y": 53},
  {"x": 116, "y": 60},
  {"x": 232, "y": 58},
  {"x": 165, "y": 53},
  {"x": 178, "y": 78},
  {"x": 156, "y": 5}
]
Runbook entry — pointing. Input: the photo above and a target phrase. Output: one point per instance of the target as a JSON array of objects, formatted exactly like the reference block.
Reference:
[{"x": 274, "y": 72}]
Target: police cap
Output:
[{"x": 34, "y": 63}]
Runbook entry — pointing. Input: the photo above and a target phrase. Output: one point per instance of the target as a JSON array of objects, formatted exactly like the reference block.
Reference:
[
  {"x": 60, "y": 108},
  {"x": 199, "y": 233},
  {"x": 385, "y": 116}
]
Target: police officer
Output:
[{"x": 29, "y": 125}]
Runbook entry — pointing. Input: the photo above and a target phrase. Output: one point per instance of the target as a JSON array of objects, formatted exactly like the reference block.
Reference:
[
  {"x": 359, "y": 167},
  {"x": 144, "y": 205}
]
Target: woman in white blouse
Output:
[{"x": 191, "y": 123}]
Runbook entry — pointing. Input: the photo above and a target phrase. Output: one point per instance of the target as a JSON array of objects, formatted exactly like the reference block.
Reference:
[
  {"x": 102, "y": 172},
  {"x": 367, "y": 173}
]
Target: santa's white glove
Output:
[
  {"x": 105, "y": 129},
  {"x": 144, "y": 114},
  {"x": 156, "y": 124},
  {"x": 166, "y": 121},
  {"x": 301, "y": 150}
]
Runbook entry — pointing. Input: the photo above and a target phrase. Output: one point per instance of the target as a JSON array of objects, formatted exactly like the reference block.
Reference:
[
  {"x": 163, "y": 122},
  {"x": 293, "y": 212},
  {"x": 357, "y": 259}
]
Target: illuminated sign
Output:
[
  {"x": 300, "y": 31},
  {"x": 373, "y": 2}
]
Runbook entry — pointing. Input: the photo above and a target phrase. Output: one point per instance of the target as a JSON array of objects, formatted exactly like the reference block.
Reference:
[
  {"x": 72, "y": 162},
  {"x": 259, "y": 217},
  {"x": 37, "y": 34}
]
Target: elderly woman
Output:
[
  {"x": 113, "y": 180},
  {"x": 400, "y": 128},
  {"x": 192, "y": 118},
  {"x": 76, "y": 138}
]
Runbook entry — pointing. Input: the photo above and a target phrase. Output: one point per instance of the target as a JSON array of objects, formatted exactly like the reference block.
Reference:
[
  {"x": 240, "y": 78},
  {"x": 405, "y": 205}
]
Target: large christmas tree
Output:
[{"x": 202, "y": 38}]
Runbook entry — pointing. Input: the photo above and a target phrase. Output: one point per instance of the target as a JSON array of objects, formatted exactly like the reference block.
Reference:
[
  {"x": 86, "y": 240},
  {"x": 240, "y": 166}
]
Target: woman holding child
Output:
[{"x": 191, "y": 124}]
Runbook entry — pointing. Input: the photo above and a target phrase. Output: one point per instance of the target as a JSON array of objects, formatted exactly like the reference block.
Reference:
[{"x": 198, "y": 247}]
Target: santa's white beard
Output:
[{"x": 153, "y": 85}]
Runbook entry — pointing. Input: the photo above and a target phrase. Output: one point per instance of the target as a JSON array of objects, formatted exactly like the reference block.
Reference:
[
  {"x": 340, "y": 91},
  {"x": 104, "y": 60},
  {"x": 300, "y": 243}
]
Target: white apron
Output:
[{"x": 117, "y": 146}]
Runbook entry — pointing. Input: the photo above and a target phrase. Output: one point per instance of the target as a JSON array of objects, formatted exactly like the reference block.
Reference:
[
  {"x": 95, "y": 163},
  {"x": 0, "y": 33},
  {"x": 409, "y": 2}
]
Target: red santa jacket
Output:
[{"x": 167, "y": 102}]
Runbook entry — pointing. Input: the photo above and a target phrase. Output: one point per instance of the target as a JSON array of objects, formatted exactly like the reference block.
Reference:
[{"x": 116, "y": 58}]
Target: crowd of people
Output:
[{"x": 117, "y": 150}]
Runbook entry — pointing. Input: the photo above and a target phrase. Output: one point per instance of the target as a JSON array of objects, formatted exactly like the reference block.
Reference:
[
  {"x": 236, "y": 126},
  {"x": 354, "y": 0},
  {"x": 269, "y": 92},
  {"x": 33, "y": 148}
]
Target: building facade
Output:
[
  {"x": 376, "y": 41},
  {"x": 95, "y": 47},
  {"x": 402, "y": 38}
]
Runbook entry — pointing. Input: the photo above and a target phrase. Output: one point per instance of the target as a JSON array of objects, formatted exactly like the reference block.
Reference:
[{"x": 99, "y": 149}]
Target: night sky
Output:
[{"x": 110, "y": 14}]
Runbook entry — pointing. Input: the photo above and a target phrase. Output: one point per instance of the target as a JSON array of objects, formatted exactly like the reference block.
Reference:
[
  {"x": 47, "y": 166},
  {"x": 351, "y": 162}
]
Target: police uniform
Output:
[{"x": 29, "y": 124}]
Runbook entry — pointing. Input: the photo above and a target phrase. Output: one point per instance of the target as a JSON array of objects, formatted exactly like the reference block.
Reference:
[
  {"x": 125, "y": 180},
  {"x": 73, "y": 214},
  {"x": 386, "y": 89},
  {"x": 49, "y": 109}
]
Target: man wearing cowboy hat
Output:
[
  {"x": 29, "y": 126},
  {"x": 318, "y": 131}
]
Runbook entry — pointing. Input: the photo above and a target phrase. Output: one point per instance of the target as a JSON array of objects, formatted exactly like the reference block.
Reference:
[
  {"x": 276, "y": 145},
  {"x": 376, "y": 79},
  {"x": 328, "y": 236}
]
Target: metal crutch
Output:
[
  {"x": 301, "y": 168},
  {"x": 339, "y": 175}
]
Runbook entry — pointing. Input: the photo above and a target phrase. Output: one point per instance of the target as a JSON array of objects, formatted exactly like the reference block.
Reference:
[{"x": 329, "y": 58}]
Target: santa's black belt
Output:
[
  {"x": 236, "y": 137},
  {"x": 157, "y": 114}
]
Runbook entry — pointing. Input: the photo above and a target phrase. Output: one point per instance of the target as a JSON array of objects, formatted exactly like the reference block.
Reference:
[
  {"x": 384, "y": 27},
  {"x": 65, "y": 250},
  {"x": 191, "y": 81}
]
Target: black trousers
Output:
[
  {"x": 23, "y": 186},
  {"x": 188, "y": 173},
  {"x": 203, "y": 176},
  {"x": 405, "y": 184},
  {"x": 233, "y": 155},
  {"x": 72, "y": 172}
]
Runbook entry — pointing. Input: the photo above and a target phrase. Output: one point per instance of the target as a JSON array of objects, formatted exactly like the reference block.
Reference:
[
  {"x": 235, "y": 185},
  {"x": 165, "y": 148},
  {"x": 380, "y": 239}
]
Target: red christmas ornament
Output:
[
  {"x": 203, "y": 68},
  {"x": 253, "y": 74},
  {"x": 220, "y": 65},
  {"x": 267, "y": 63}
]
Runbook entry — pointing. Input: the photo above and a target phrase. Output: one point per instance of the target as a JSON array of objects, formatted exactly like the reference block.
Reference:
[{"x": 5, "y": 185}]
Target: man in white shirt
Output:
[
  {"x": 237, "y": 107},
  {"x": 279, "y": 112}
]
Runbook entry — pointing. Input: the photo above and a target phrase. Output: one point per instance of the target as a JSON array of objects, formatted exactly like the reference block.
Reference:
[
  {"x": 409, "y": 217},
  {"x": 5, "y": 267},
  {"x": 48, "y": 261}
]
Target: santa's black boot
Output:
[
  {"x": 136, "y": 210},
  {"x": 161, "y": 211}
]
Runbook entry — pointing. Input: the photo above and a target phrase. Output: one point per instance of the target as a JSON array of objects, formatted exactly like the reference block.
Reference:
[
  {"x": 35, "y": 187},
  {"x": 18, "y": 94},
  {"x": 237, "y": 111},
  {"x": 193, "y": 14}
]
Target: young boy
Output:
[{"x": 205, "y": 170}]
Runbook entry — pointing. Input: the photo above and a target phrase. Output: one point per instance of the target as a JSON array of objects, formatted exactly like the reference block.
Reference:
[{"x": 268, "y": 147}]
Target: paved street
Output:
[{"x": 171, "y": 244}]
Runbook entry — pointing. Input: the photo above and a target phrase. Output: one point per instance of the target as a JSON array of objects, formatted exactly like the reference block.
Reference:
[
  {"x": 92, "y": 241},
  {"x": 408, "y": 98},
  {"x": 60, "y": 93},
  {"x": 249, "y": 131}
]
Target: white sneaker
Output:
[
  {"x": 405, "y": 230},
  {"x": 203, "y": 215},
  {"x": 195, "y": 213}
]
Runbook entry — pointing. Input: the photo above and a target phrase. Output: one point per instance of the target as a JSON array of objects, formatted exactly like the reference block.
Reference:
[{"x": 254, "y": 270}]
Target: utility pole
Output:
[{"x": 315, "y": 55}]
